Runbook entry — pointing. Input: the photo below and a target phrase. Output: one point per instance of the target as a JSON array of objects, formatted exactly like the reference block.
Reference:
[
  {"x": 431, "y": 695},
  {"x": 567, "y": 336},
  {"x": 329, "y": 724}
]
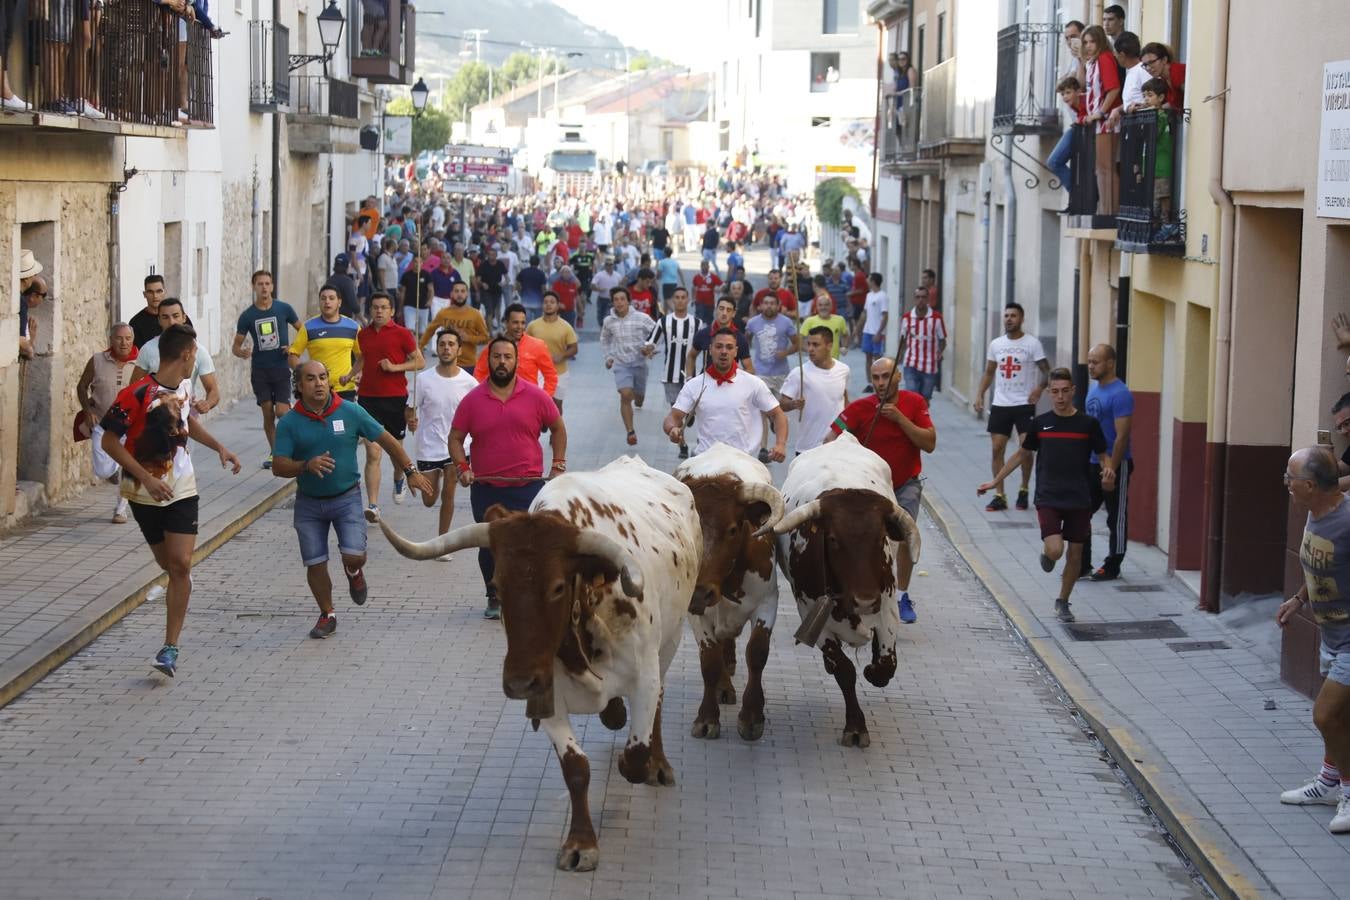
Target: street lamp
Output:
[
  {"x": 420, "y": 91},
  {"x": 331, "y": 24}
]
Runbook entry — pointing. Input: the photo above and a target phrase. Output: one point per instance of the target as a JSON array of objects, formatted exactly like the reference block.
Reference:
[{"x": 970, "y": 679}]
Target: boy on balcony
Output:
[
  {"x": 1155, "y": 98},
  {"x": 1071, "y": 95}
]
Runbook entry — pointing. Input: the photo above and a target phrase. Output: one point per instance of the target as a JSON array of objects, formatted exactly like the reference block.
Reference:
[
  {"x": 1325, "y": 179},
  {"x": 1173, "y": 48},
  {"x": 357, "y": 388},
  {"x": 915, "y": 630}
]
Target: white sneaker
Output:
[
  {"x": 1316, "y": 793},
  {"x": 445, "y": 557},
  {"x": 90, "y": 111},
  {"x": 155, "y": 594},
  {"x": 400, "y": 490},
  {"x": 121, "y": 511},
  {"x": 1340, "y": 823},
  {"x": 14, "y": 103}
]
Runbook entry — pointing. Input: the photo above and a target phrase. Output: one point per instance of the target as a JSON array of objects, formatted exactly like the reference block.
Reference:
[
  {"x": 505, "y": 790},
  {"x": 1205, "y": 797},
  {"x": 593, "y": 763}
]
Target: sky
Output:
[{"x": 678, "y": 32}]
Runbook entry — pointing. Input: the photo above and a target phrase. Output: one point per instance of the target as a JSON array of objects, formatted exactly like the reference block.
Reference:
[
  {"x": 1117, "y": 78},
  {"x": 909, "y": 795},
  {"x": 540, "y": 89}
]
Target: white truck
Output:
[{"x": 570, "y": 166}]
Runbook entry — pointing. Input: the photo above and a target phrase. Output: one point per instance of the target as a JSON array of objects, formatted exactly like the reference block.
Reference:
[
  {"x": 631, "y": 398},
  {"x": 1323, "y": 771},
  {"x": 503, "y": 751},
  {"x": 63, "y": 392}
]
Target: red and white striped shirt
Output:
[{"x": 921, "y": 336}]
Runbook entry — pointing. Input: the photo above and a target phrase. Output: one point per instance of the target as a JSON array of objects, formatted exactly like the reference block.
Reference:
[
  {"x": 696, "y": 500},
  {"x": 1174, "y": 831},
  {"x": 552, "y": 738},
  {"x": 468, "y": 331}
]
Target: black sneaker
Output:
[
  {"x": 1062, "y": 611},
  {"x": 684, "y": 451},
  {"x": 763, "y": 455},
  {"x": 324, "y": 627},
  {"x": 1105, "y": 573},
  {"x": 1047, "y": 564},
  {"x": 356, "y": 584},
  {"x": 998, "y": 504},
  {"x": 1022, "y": 499},
  {"x": 493, "y": 610}
]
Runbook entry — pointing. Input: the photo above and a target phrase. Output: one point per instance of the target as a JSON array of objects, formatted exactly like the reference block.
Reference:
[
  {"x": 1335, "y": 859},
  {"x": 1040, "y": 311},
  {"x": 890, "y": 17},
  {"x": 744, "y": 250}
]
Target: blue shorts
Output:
[
  {"x": 1335, "y": 666},
  {"x": 344, "y": 512},
  {"x": 874, "y": 344},
  {"x": 631, "y": 377}
]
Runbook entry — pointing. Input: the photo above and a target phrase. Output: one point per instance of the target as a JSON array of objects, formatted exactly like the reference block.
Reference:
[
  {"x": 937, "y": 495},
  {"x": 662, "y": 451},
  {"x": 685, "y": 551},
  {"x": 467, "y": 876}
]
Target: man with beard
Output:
[
  {"x": 316, "y": 445},
  {"x": 504, "y": 416}
]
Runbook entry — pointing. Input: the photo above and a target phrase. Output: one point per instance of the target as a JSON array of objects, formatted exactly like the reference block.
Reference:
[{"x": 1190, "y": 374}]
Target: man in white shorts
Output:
[
  {"x": 729, "y": 402},
  {"x": 825, "y": 393},
  {"x": 430, "y": 410}
]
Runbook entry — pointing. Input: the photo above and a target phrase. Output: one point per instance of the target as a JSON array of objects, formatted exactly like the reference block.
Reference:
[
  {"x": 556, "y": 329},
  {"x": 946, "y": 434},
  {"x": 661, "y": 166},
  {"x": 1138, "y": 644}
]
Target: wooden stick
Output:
[{"x": 895, "y": 367}]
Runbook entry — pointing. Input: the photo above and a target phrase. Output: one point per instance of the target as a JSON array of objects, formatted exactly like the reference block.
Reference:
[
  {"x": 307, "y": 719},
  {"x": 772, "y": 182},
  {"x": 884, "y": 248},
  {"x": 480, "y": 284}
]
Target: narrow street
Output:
[{"x": 386, "y": 762}]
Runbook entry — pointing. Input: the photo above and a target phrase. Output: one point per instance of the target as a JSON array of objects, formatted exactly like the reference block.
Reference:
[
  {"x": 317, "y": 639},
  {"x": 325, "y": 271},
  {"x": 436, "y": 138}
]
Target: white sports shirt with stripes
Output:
[
  {"x": 921, "y": 336},
  {"x": 674, "y": 334}
]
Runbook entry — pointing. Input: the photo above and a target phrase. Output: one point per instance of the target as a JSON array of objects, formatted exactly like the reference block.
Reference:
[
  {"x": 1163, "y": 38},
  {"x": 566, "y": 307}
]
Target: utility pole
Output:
[
  {"x": 627, "y": 113},
  {"x": 477, "y": 35},
  {"x": 539, "y": 85}
]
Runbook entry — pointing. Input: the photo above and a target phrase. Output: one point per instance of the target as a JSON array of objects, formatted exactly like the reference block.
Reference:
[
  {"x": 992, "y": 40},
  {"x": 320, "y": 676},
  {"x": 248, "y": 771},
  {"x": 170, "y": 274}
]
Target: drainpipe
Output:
[
  {"x": 980, "y": 277},
  {"x": 1010, "y": 234},
  {"x": 1123, "y": 314},
  {"x": 274, "y": 263},
  {"x": 1211, "y": 575},
  {"x": 877, "y": 122}
]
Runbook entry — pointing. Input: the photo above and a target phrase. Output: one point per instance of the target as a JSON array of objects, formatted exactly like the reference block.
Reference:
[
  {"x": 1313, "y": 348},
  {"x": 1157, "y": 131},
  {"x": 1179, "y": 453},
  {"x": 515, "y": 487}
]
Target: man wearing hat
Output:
[
  {"x": 32, "y": 291},
  {"x": 346, "y": 288}
]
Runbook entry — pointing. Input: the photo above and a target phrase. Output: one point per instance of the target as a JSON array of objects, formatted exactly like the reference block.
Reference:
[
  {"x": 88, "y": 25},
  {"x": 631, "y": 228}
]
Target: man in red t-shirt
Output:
[
  {"x": 706, "y": 283},
  {"x": 574, "y": 235},
  {"x": 641, "y": 296},
  {"x": 387, "y": 351},
  {"x": 786, "y": 299},
  {"x": 895, "y": 424}
]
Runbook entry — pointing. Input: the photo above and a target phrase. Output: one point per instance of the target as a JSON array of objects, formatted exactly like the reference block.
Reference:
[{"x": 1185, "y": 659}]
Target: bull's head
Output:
[
  {"x": 546, "y": 574},
  {"x": 730, "y": 510},
  {"x": 845, "y": 532}
]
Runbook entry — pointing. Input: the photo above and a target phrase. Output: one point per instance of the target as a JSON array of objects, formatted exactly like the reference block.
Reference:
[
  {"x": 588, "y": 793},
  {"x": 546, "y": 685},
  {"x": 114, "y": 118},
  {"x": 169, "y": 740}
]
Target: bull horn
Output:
[
  {"x": 593, "y": 543},
  {"x": 911, "y": 530},
  {"x": 795, "y": 519},
  {"x": 759, "y": 492},
  {"x": 459, "y": 539}
]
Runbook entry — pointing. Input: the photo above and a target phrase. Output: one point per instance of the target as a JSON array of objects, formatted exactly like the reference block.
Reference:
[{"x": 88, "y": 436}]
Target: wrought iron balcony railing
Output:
[
  {"x": 1150, "y": 219},
  {"x": 1025, "y": 101},
  {"x": 318, "y": 95},
  {"x": 900, "y": 140},
  {"x": 269, "y": 53}
]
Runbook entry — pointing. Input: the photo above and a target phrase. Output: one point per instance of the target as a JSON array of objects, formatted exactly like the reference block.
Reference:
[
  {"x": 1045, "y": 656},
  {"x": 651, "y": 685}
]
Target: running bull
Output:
[
  {"x": 594, "y": 582},
  {"x": 737, "y": 581},
  {"x": 837, "y": 545}
]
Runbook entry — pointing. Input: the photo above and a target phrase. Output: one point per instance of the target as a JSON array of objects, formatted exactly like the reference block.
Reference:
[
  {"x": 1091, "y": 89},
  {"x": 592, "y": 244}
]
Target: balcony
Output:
[
  {"x": 1083, "y": 219},
  {"x": 1025, "y": 101},
  {"x": 383, "y": 47},
  {"x": 125, "y": 71},
  {"x": 944, "y": 130},
  {"x": 269, "y": 49},
  {"x": 1148, "y": 220},
  {"x": 900, "y": 137},
  {"x": 324, "y": 115}
]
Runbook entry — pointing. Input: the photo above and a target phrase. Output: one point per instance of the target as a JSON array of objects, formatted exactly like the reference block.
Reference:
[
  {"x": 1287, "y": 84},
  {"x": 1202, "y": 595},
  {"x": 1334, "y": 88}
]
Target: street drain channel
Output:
[
  {"x": 1139, "y": 588},
  {"x": 1140, "y": 630},
  {"x": 1191, "y": 646}
]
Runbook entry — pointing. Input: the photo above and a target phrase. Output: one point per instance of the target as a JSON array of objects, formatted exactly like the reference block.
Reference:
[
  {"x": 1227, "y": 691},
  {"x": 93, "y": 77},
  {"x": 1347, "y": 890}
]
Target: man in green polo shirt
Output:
[{"x": 316, "y": 445}]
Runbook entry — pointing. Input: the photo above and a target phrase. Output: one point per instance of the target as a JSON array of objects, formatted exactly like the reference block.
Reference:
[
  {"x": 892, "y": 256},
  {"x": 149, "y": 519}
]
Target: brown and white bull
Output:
[
  {"x": 737, "y": 581},
  {"x": 594, "y": 582},
  {"x": 837, "y": 545}
]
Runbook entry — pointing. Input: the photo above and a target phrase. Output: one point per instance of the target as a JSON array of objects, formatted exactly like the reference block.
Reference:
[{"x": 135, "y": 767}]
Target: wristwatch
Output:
[{"x": 408, "y": 470}]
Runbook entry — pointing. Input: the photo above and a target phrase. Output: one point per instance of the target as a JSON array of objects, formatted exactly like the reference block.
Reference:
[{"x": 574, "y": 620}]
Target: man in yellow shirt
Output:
[
  {"x": 330, "y": 338},
  {"x": 559, "y": 337},
  {"x": 466, "y": 320},
  {"x": 825, "y": 316}
]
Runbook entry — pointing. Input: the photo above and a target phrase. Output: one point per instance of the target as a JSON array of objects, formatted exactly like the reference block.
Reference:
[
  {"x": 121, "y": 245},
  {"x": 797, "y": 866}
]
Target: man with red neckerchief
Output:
[{"x": 729, "y": 402}]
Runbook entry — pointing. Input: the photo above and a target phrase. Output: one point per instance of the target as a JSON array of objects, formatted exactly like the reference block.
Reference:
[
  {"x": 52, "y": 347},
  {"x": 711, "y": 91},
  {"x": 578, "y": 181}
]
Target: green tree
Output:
[
  {"x": 830, "y": 195},
  {"x": 431, "y": 131},
  {"x": 521, "y": 67},
  {"x": 466, "y": 90},
  {"x": 641, "y": 63}
]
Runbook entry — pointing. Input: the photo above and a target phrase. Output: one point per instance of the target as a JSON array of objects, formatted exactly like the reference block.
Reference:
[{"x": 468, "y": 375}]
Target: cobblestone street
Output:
[{"x": 386, "y": 762}]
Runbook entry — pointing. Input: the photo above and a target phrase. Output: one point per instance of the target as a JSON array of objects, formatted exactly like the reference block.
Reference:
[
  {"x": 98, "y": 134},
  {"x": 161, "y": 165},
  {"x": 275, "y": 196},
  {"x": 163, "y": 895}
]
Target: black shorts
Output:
[
  {"x": 179, "y": 517},
  {"x": 434, "y": 465},
  {"x": 349, "y": 396},
  {"x": 388, "y": 411},
  {"x": 1003, "y": 419},
  {"x": 272, "y": 385},
  {"x": 668, "y": 291}
]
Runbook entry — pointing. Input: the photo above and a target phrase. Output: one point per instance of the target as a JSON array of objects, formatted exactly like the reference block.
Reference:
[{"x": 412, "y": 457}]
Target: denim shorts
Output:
[
  {"x": 1335, "y": 666},
  {"x": 909, "y": 495},
  {"x": 344, "y": 512},
  {"x": 632, "y": 377},
  {"x": 921, "y": 383}
]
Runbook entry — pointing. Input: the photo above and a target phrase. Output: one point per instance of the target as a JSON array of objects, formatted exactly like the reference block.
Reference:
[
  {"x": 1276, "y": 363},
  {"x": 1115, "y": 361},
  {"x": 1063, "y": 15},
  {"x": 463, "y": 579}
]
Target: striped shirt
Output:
[
  {"x": 921, "y": 336},
  {"x": 622, "y": 338},
  {"x": 331, "y": 343},
  {"x": 677, "y": 334}
]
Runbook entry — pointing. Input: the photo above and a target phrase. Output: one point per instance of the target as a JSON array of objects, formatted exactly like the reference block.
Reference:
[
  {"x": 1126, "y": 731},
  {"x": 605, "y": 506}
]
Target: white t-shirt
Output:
[
  {"x": 825, "y": 390},
  {"x": 600, "y": 231},
  {"x": 876, "y": 303},
  {"x": 728, "y": 412},
  {"x": 437, "y": 217},
  {"x": 1015, "y": 371},
  {"x": 148, "y": 359},
  {"x": 437, "y": 399},
  {"x": 1132, "y": 94}
]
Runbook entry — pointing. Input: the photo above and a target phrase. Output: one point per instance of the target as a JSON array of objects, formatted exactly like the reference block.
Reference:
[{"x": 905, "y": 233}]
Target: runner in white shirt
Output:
[
  {"x": 430, "y": 410},
  {"x": 1017, "y": 368},
  {"x": 875, "y": 308},
  {"x": 826, "y": 392},
  {"x": 729, "y": 402}
]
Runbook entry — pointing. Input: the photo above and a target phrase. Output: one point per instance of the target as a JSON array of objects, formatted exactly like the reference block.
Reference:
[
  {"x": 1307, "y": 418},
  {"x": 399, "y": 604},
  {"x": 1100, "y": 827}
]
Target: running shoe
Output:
[
  {"x": 1022, "y": 498},
  {"x": 632, "y": 438},
  {"x": 372, "y": 514},
  {"x": 121, "y": 511},
  {"x": 998, "y": 504},
  {"x": 267, "y": 461},
  {"x": 1105, "y": 573},
  {"x": 1047, "y": 564},
  {"x": 1062, "y": 611},
  {"x": 684, "y": 451},
  {"x": 1340, "y": 823},
  {"x": 166, "y": 660},
  {"x": 493, "y": 610},
  {"x": 400, "y": 490},
  {"x": 356, "y": 584},
  {"x": 907, "y": 613},
  {"x": 324, "y": 627},
  {"x": 763, "y": 455},
  {"x": 1314, "y": 793}
]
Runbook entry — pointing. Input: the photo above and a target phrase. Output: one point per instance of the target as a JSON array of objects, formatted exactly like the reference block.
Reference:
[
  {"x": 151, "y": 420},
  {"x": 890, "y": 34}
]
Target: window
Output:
[
  {"x": 759, "y": 15},
  {"x": 941, "y": 37},
  {"x": 919, "y": 43},
  {"x": 839, "y": 17},
  {"x": 824, "y": 71}
]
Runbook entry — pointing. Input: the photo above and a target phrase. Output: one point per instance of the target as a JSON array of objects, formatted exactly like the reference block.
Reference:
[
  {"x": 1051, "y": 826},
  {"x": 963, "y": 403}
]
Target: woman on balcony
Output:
[{"x": 1102, "y": 84}]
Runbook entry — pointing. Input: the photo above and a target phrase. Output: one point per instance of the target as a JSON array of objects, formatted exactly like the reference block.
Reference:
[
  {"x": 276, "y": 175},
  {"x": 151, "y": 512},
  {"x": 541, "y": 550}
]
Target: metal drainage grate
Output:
[
  {"x": 1189, "y": 646},
  {"x": 1012, "y": 524},
  {"x": 1141, "y": 630},
  {"x": 1139, "y": 588}
]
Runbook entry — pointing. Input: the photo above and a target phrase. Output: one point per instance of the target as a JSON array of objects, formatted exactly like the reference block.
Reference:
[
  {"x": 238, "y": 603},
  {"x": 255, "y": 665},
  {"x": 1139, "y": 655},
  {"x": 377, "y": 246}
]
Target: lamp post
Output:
[
  {"x": 331, "y": 24},
  {"x": 420, "y": 91}
]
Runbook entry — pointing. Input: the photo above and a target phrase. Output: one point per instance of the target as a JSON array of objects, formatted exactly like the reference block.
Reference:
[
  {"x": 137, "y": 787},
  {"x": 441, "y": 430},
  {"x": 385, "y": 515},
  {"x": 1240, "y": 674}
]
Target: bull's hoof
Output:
[
  {"x": 614, "y": 716},
  {"x": 879, "y": 674},
  {"x": 660, "y": 773},
  {"x": 708, "y": 729},
  {"x": 855, "y": 737},
  {"x": 750, "y": 730},
  {"x": 577, "y": 857},
  {"x": 634, "y": 763},
  {"x": 726, "y": 695}
]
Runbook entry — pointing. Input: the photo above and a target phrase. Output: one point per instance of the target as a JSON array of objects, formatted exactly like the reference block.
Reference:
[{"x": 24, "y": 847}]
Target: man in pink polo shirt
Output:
[{"x": 504, "y": 416}]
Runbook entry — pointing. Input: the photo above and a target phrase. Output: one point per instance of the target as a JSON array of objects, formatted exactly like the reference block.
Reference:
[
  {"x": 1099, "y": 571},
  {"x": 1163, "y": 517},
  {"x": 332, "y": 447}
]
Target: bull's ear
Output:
[
  {"x": 758, "y": 513},
  {"x": 496, "y": 512},
  {"x": 894, "y": 530}
]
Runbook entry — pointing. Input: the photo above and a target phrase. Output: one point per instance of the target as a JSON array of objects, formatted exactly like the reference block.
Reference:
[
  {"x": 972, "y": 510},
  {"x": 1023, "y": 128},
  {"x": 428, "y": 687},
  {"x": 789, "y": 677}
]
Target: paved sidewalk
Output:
[
  {"x": 1192, "y": 726},
  {"x": 70, "y": 574}
]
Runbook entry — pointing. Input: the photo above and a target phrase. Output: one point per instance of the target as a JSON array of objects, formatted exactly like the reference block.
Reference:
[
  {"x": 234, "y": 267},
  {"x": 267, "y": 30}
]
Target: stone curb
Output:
[
  {"x": 1227, "y": 868},
  {"x": 32, "y": 665}
]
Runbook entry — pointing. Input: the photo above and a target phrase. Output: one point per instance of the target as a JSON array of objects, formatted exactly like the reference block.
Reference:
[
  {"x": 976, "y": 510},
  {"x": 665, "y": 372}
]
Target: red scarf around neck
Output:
[{"x": 719, "y": 377}]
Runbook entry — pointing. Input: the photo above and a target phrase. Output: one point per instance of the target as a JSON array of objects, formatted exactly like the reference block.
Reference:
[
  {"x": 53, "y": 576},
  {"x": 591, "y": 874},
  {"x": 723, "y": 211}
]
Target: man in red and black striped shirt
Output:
[
  {"x": 1063, "y": 441},
  {"x": 923, "y": 338}
]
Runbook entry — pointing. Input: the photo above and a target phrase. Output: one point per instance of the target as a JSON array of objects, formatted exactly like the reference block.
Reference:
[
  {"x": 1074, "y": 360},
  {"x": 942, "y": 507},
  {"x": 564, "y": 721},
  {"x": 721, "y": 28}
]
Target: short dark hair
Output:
[
  {"x": 1069, "y": 83},
  {"x": 1072, "y": 23},
  {"x": 256, "y": 275},
  {"x": 1017, "y": 306},
  {"x": 534, "y": 259},
  {"x": 1341, "y": 403},
  {"x": 501, "y": 339},
  {"x": 1162, "y": 51},
  {"x": 450, "y": 330},
  {"x": 819, "y": 281},
  {"x": 822, "y": 331},
  {"x": 329, "y": 286},
  {"x": 175, "y": 340},
  {"x": 151, "y": 279},
  {"x": 875, "y": 279},
  {"x": 930, "y": 272},
  {"x": 721, "y": 331},
  {"x": 725, "y": 298},
  {"x": 680, "y": 289},
  {"x": 1127, "y": 42},
  {"x": 551, "y": 293},
  {"x": 620, "y": 289},
  {"x": 172, "y": 301},
  {"x": 1061, "y": 374},
  {"x": 646, "y": 273},
  {"x": 378, "y": 294},
  {"x": 1115, "y": 9},
  {"x": 1156, "y": 86},
  {"x": 515, "y": 308}
]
